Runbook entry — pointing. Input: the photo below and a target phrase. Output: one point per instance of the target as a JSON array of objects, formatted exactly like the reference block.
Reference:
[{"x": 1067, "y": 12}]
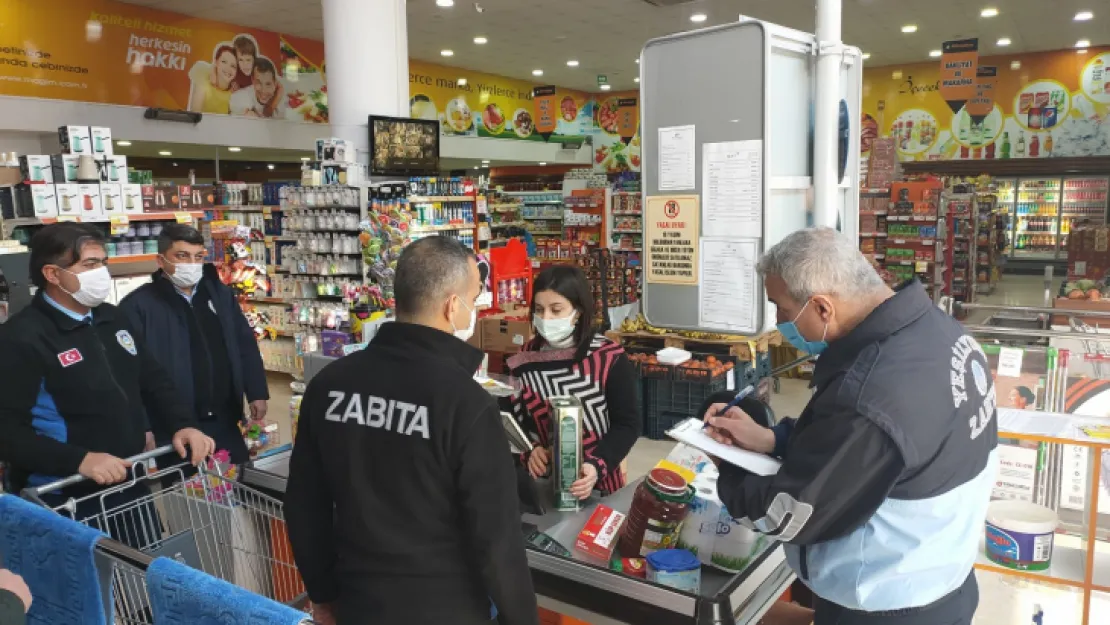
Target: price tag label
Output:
[
  {"x": 267, "y": 210},
  {"x": 922, "y": 266},
  {"x": 481, "y": 205},
  {"x": 120, "y": 224},
  {"x": 72, "y": 218},
  {"x": 1009, "y": 362},
  {"x": 183, "y": 218}
]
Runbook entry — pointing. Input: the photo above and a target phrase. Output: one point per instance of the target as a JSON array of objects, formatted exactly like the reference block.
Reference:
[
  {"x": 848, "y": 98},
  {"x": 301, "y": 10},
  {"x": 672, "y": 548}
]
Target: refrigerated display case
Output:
[
  {"x": 1084, "y": 202},
  {"x": 1042, "y": 211},
  {"x": 1006, "y": 190},
  {"x": 1036, "y": 211}
]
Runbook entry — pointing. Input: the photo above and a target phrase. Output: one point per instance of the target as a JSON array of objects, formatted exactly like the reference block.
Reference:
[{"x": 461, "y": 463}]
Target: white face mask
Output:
[
  {"x": 464, "y": 335},
  {"x": 559, "y": 332},
  {"x": 94, "y": 286},
  {"x": 186, "y": 275}
]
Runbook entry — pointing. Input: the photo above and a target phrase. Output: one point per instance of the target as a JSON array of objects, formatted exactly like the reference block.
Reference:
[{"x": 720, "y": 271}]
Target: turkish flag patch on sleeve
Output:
[{"x": 70, "y": 357}]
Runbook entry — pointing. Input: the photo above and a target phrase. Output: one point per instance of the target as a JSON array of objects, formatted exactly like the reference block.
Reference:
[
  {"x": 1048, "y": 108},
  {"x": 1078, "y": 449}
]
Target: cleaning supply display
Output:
[
  {"x": 659, "y": 507},
  {"x": 712, "y": 535},
  {"x": 567, "y": 417},
  {"x": 677, "y": 568},
  {"x": 1020, "y": 535}
]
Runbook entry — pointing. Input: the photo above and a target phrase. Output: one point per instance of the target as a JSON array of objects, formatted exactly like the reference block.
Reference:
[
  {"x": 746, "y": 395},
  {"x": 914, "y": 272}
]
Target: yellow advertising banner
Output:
[
  {"x": 1050, "y": 104},
  {"x": 671, "y": 239},
  {"x": 115, "y": 53},
  {"x": 109, "y": 52},
  {"x": 982, "y": 103}
]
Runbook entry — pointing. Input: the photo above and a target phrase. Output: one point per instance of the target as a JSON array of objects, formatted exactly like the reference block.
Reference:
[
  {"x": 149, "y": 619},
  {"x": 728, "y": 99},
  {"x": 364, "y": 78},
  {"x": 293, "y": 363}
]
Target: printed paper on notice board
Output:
[
  {"x": 677, "y": 158},
  {"x": 732, "y": 189}
]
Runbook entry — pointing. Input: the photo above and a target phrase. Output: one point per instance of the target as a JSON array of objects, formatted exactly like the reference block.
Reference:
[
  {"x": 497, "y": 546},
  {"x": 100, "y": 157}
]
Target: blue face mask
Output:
[{"x": 789, "y": 331}]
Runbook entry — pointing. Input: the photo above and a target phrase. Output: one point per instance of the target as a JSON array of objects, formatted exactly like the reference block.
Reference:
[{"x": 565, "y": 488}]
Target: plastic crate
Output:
[
  {"x": 668, "y": 402},
  {"x": 763, "y": 364}
]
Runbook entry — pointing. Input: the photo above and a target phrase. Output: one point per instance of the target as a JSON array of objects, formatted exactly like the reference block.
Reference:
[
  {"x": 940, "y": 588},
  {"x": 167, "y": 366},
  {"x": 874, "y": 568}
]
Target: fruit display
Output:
[
  {"x": 639, "y": 324},
  {"x": 1086, "y": 290}
]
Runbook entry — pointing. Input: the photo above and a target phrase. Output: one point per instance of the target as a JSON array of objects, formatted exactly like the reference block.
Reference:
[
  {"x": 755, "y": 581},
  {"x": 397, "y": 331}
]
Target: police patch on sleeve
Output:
[{"x": 126, "y": 342}]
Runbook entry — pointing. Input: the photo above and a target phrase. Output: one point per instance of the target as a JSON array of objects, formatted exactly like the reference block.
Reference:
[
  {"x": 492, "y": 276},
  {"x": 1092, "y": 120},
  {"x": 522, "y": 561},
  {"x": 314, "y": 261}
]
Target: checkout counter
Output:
[{"x": 579, "y": 586}]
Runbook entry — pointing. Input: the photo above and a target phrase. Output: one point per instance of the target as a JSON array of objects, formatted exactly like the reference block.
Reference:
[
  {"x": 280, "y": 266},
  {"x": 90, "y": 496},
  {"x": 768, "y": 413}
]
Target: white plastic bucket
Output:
[{"x": 1019, "y": 535}]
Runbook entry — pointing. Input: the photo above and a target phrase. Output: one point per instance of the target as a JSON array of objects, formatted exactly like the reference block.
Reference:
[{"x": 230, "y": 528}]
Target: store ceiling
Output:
[{"x": 606, "y": 36}]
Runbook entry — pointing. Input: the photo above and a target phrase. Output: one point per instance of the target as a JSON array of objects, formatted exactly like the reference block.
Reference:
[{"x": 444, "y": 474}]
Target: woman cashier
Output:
[{"x": 568, "y": 358}]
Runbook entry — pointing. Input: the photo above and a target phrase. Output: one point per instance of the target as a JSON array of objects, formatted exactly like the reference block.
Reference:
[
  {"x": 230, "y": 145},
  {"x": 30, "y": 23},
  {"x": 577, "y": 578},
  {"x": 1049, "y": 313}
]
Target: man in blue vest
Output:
[{"x": 887, "y": 473}]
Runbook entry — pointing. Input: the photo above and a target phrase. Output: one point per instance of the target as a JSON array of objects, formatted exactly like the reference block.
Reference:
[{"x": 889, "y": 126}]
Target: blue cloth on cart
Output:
[
  {"x": 180, "y": 595},
  {"x": 54, "y": 554}
]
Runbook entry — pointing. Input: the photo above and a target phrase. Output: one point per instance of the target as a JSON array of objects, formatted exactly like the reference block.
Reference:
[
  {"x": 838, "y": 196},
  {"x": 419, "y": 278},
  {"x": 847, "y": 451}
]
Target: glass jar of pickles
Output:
[{"x": 655, "y": 518}]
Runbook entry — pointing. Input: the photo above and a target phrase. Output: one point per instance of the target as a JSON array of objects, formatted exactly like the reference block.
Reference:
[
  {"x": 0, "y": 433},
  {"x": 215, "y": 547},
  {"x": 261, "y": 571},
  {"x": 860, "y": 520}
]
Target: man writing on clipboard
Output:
[{"x": 886, "y": 475}]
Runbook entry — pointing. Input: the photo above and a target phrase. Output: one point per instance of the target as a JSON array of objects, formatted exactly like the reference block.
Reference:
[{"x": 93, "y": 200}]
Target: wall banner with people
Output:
[
  {"x": 114, "y": 53},
  {"x": 1048, "y": 104},
  {"x": 109, "y": 52}
]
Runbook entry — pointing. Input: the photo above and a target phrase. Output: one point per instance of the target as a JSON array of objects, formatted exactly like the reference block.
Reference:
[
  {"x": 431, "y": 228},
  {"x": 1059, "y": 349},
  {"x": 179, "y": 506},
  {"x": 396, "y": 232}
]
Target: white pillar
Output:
[
  {"x": 367, "y": 53},
  {"x": 827, "y": 113}
]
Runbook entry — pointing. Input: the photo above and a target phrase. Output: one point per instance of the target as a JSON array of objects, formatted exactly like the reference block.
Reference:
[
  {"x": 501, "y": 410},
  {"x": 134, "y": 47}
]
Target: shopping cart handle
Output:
[{"x": 34, "y": 493}]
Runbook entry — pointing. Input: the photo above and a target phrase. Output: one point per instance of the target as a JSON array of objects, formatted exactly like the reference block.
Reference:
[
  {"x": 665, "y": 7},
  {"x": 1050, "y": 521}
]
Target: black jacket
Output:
[
  {"x": 69, "y": 387},
  {"x": 11, "y": 609},
  {"x": 161, "y": 317},
  {"x": 410, "y": 452},
  {"x": 887, "y": 473}
]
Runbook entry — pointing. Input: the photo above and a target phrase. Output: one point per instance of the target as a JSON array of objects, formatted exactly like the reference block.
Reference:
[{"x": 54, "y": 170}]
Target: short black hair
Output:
[
  {"x": 263, "y": 65},
  {"x": 60, "y": 244},
  {"x": 570, "y": 282},
  {"x": 172, "y": 233},
  {"x": 428, "y": 271},
  {"x": 1026, "y": 394}
]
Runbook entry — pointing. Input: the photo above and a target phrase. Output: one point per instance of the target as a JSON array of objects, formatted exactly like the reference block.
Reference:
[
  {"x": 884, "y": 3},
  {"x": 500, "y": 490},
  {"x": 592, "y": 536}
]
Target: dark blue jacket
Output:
[{"x": 162, "y": 326}]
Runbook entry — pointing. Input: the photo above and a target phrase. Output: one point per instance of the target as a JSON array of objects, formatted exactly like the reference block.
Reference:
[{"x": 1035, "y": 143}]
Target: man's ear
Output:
[{"x": 825, "y": 307}]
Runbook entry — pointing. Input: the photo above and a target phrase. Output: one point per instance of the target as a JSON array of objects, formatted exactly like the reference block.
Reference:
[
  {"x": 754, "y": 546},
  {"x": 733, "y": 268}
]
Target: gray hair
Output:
[
  {"x": 820, "y": 261},
  {"x": 428, "y": 272}
]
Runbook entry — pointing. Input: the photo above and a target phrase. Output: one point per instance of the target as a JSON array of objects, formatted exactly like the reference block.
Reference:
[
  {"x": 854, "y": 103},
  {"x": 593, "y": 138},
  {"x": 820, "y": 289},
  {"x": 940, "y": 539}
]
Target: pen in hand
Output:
[{"x": 744, "y": 392}]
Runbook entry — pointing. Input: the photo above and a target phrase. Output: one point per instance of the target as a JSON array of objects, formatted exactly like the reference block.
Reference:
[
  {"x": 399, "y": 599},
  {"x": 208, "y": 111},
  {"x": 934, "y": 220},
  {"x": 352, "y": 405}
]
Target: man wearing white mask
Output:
[
  {"x": 193, "y": 325},
  {"x": 76, "y": 383},
  {"x": 401, "y": 487}
]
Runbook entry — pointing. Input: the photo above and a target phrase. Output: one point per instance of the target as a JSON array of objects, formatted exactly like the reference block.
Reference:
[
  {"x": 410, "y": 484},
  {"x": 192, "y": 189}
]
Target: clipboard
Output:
[{"x": 692, "y": 432}]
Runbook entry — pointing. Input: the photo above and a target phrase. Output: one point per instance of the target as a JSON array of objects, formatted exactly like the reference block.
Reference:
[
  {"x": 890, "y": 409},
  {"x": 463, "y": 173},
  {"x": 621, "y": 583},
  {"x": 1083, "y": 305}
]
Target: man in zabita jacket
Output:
[
  {"x": 402, "y": 500},
  {"x": 887, "y": 474}
]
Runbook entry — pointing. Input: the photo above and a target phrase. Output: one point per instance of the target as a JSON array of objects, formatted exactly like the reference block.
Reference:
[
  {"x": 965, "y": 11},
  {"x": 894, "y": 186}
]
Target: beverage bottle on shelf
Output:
[
  {"x": 990, "y": 150},
  {"x": 965, "y": 152},
  {"x": 1006, "y": 144},
  {"x": 1048, "y": 144},
  {"x": 1019, "y": 150},
  {"x": 1035, "y": 146}
]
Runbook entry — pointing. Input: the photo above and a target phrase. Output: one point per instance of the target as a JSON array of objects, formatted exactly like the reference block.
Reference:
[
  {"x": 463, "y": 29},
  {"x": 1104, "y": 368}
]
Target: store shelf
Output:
[
  {"x": 918, "y": 218},
  {"x": 159, "y": 216},
  {"x": 503, "y": 208},
  {"x": 637, "y": 231},
  {"x": 446, "y": 228},
  {"x": 626, "y": 249},
  {"x": 545, "y": 233},
  {"x": 874, "y": 191},
  {"x": 420, "y": 199},
  {"x": 911, "y": 241},
  {"x": 246, "y": 208},
  {"x": 557, "y": 218},
  {"x": 507, "y": 224},
  {"x": 628, "y": 213},
  {"x": 272, "y": 300},
  {"x": 872, "y": 213},
  {"x": 1067, "y": 567},
  {"x": 132, "y": 258},
  {"x": 881, "y": 235}
]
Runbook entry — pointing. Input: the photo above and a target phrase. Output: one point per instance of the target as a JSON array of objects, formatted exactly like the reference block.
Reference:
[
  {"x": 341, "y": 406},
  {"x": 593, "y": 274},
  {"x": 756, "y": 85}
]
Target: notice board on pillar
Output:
[{"x": 704, "y": 180}]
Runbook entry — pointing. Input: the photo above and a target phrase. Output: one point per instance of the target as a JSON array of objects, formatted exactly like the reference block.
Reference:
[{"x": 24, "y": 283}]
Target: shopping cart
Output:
[{"x": 208, "y": 521}]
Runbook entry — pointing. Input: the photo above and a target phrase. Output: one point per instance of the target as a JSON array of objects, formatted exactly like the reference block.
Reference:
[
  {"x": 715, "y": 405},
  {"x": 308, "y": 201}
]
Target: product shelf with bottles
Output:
[
  {"x": 989, "y": 227},
  {"x": 961, "y": 213},
  {"x": 1044, "y": 211},
  {"x": 912, "y": 241},
  {"x": 874, "y": 206},
  {"x": 444, "y": 206}
]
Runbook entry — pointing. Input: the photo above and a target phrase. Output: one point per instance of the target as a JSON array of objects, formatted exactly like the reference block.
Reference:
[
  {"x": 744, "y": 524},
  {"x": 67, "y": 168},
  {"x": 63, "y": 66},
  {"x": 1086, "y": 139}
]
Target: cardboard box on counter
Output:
[
  {"x": 132, "y": 198},
  {"x": 111, "y": 198},
  {"x": 101, "y": 141},
  {"x": 64, "y": 167},
  {"x": 88, "y": 201},
  {"x": 69, "y": 199},
  {"x": 505, "y": 332}
]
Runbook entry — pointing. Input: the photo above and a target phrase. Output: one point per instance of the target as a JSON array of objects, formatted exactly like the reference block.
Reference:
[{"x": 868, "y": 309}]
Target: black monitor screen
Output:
[{"x": 403, "y": 147}]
